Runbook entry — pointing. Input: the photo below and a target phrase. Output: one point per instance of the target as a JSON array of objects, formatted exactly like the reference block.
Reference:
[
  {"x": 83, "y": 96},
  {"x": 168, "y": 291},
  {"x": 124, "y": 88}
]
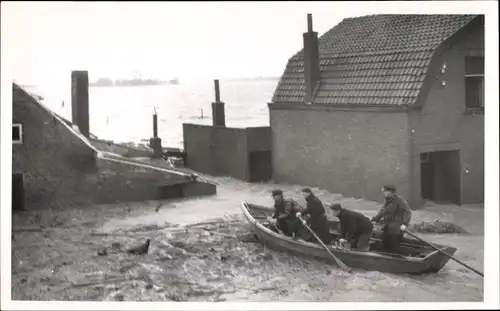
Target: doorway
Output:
[
  {"x": 260, "y": 166},
  {"x": 440, "y": 176},
  {"x": 18, "y": 198}
]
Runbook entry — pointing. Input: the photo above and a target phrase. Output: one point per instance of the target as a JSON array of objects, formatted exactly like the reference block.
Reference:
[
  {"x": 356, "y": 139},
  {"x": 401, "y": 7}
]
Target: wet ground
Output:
[{"x": 55, "y": 255}]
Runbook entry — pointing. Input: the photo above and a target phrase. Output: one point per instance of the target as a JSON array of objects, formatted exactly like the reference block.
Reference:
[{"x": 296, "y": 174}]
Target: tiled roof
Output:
[{"x": 377, "y": 59}]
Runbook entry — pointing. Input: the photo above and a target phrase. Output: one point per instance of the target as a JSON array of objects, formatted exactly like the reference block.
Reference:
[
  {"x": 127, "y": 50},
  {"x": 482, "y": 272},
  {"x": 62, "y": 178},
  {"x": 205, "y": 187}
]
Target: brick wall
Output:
[
  {"x": 443, "y": 121},
  {"x": 349, "y": 152},
  {"x": 53, "y": 161},
  {"x": 219, "y": 151},
  {"x": 223, "y": 151}
]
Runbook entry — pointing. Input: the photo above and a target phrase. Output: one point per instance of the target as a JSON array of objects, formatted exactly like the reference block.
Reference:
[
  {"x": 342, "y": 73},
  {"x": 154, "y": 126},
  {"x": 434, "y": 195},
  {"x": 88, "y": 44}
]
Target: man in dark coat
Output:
[
  {"x": 355, "y": 227},
  {"x": 395, "y": 216},
  {"x": 315, "y": 216},
  {"x": 284, "y": 216}
]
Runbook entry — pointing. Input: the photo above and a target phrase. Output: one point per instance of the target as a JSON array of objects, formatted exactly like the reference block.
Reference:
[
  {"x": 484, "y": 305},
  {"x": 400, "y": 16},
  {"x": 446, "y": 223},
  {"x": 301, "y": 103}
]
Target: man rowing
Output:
[
  {"x": 284, "y": 216},
  {"x": 315, "y": 217},
  {"x": 355, "y": 228},
  {"x": 395, "y": 216}
]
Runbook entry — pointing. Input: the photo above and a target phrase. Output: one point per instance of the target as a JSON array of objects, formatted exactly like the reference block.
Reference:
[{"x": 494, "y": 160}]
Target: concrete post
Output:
[
  {"x": 80, "y": 101},
  {"x": 218, "y": 114}
]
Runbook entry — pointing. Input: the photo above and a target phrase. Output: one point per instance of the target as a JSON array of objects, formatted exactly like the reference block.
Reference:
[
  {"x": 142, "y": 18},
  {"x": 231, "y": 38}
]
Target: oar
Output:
[
  {"x": 445, "y": 253},
  {"x": 272, "y": 224},
  {"x": 276, "y": 227},
  {"x": 337, "y": 260}
]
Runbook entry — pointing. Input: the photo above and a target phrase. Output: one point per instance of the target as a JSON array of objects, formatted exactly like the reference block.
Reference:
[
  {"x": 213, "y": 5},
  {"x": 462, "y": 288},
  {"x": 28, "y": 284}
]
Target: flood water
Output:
[
  {"x": 112, "y": 108},
  {"x": 311, "y": 280}
]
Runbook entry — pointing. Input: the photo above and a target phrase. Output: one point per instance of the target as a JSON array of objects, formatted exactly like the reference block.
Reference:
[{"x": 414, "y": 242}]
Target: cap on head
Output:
[
  {"x": 306, "y": 190},
  {"x": 335, "y": 207},
  {"x": 277, "y": 192},
  {"x": 390, "y": 188}
]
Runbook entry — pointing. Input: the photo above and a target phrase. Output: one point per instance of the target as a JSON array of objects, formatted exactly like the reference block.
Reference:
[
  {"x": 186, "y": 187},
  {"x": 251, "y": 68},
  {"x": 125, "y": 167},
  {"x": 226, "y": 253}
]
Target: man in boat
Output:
[
  {"x": 355, "y": 227},
  {"x": 315, "y": 217},
  {"x": 395, "y": 216},
  {"x": 284, "y": 216}
]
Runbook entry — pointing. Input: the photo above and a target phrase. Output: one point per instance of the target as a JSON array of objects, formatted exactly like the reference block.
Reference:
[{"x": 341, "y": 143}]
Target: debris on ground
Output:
[
  {"x": 212, "y": 261},
  {"x": 103, "y": 251},
  {"x": 140, "y": 249},
  {"x": 438, "y": 227}
]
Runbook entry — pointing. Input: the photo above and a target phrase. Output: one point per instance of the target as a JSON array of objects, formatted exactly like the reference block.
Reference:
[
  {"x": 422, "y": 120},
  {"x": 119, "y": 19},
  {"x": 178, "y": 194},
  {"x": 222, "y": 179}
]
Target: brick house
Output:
[
  {"x": 385, "y": 99},
  {"x": 54, "y": 165}
]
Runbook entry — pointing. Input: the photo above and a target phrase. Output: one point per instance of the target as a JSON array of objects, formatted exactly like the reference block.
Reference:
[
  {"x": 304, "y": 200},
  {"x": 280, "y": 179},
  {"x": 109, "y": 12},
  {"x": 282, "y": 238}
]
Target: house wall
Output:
[
  {"x": 349, "y": 151},
  {"x": 443, "y": 123},
  {"x": 53, "y": 161}
]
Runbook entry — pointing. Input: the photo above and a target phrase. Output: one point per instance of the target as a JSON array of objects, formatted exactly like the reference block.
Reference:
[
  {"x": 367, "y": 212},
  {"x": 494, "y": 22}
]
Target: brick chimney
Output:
[
  {"x": 80, "y": 101},
  {"x": 311, "y": 60},
  {"x": 218, "y": 114}
]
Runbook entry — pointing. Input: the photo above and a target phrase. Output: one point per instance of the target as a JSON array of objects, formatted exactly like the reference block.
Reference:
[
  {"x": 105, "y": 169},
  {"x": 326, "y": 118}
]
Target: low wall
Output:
[
  {"x": 198, "y": 188},
  {"x": 223, "y": 151},
  {"x": 259, "y": 138},
  {"x": 121, "y": 149}
]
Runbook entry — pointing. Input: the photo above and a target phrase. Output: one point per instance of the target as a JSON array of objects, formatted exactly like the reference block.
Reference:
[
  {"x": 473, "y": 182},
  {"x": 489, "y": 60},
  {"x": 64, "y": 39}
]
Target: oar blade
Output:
[
  {"x": 444, "y": 253},
  {"x": 337, "y": 260}
]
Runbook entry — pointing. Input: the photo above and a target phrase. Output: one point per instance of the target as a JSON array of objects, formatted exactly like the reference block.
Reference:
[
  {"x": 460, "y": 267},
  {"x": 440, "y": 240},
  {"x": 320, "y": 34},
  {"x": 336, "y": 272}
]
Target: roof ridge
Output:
[
  {"x": 58, "y": 118},
  {"x": 366, "y": 50},
  {"x": 403, "y": 14}
]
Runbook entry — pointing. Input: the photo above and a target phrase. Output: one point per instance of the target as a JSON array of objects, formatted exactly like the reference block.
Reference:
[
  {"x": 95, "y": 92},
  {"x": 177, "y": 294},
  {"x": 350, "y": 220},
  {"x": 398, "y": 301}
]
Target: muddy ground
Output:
[{"x": 55, "y": 257}]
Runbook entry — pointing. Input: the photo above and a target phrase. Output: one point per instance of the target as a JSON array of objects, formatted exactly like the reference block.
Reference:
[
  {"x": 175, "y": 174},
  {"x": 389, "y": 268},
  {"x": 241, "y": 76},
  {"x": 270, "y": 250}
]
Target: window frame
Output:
[
  {"x": 19, "y": 141},
  {"x": 482, "y": 92}
]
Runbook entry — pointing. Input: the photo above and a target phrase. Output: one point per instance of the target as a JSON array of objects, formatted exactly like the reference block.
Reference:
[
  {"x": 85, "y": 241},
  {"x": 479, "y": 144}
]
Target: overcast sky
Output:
[
  {"x": 166, "y": 39},
  {"x": 190, "y": 40}
]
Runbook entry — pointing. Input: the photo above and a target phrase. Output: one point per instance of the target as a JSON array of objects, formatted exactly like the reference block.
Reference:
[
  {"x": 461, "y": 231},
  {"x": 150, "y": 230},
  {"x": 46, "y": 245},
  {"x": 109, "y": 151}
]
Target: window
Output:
[
  {"x": 474, "y": 82},
  {"x": 17, "y": 133}
]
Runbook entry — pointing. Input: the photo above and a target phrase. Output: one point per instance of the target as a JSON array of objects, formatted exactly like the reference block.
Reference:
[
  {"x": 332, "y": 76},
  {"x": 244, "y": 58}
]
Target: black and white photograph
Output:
[{"x": 204, "y": 155}]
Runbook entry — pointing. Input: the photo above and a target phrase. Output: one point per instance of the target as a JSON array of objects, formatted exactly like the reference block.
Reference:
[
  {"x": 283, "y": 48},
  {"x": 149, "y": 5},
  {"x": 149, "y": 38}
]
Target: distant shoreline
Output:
[
  {"x": 253, "y": 79},
  {"x": 128, "y": 85},
  {"x": 257, "y": 79},
  {"x": 105, "y": 82}
]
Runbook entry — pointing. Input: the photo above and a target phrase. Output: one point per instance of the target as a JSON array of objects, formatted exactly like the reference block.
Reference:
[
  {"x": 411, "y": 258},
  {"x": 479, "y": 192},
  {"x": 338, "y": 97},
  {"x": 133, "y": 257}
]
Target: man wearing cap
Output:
[
  {"x": 355, "y": 227},
  {"x": 315, "y": 216},
  {"x": 395, "y": 216},
  {"x": 284, "y": 216}
]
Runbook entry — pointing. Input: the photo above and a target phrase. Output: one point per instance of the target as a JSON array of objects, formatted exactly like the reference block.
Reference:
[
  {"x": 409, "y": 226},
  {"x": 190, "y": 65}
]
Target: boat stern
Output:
[{"x": 437, "y": 260}]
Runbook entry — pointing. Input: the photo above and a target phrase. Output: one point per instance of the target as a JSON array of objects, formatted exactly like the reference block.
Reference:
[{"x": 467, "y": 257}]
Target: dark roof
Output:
[{"x": 377, "y": 59}]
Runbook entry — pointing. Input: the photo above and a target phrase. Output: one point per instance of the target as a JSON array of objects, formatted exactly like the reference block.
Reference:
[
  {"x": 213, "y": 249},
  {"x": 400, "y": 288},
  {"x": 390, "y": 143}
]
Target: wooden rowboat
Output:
[{"x": 415, "y": 257}]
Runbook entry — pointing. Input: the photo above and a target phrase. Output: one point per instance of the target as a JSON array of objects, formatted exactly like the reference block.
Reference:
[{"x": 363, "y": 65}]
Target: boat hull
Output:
[{"x": 430, "y": 261}]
